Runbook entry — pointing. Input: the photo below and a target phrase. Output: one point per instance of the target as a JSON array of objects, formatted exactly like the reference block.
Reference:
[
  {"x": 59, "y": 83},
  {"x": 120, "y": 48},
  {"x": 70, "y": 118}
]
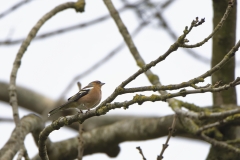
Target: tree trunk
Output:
[{"x": 223, "y": 41}]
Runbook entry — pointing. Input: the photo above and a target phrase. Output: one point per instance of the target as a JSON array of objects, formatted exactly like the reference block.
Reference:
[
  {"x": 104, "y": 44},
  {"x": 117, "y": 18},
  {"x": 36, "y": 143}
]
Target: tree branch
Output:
[
  {"x": 14, "y": 7},
  {"x": 32, "y": 124},
  {"x": 218, "y": 27},
  {"x": 27, "y": 98},
  {"x": 220, "y": 144},
  {"x": 171, "y": 131},
  {"x": 101, "y": 139}
]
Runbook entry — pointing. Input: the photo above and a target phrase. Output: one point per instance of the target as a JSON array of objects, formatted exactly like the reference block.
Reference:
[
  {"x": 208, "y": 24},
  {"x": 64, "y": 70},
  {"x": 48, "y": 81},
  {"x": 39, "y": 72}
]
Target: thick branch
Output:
[
  {"x": 27, "y": 98},
  {"x": 32, "y": 124},
  {"x": 102, "y": 139}
]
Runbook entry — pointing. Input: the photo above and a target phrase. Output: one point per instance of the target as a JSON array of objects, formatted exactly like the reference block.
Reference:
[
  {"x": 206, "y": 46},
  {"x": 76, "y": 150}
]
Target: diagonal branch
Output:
[
  {"x": 102, "y": 139},
  {"x": 216, "y": 29},
  {"x": 220, "y": 144},
  {"x": 171, "y": 131},
  {"x": 140, "y": 99},
  {"x": 63, "y": 30},
  {"x": 32, "y": 124},
  {"x": 141, "y": 153},
  {"x": 133, "y": 49},
  {"x": 14, "y": 7}
]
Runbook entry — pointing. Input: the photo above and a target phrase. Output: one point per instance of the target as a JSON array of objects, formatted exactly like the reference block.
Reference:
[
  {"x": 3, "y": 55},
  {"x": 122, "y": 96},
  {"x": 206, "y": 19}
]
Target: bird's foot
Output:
[
  {"x": 87, "y": 111},
  {"x": 80, "y": 111}
]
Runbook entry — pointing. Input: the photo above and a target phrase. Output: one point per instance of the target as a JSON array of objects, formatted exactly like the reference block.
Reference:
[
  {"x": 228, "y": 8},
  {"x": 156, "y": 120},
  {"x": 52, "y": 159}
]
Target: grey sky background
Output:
[{"x": 50, "y": 64}]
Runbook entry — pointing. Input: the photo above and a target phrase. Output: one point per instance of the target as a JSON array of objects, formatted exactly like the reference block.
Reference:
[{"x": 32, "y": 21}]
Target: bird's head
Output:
[{"x": 94, "y": 83}]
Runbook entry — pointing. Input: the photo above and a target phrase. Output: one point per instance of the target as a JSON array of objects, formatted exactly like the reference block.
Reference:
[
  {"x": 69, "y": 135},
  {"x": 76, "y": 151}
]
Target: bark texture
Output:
[{"x": 223, "y": 41}]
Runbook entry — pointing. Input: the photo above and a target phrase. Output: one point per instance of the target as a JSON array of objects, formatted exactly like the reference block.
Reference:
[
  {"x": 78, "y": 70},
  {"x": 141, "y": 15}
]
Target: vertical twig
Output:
[
  {"x": 79, "y": 85},
  {"x": 23, "y": 153},
  {"x": 140, "y": 151},
  {"x": 80, "y": 138},
  {"x": 81, "y": 144},
  {"x": 171, "y": 131}
]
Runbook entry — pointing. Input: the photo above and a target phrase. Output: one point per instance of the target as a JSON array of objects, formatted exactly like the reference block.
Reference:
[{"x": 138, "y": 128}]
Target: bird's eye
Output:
[{"x": 98, "y": 82}]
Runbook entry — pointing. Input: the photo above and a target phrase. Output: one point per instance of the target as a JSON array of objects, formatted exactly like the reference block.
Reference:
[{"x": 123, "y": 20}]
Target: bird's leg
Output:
[
  {"x": 87, "y": 111},
  {"x": 79, "y": 110}
]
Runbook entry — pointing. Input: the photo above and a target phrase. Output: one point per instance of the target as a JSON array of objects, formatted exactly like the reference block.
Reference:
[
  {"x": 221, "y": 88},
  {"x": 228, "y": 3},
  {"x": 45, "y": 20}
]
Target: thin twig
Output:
[
  {"x": 131, "y": 46},
  {"x": 201, "y": 115},
  {"x": 140, "y": 99},
  {"x": 81, "y": 143},
  {"x": 157, "y": 13},
  {"x": 145, "y": 68},
  {"x": 221, "y": 122},
  {"x": 140, "y": 151},
  {"x": 80, "y": 131},
  {"x": 14, "y": 7},
  {"x": 220, "y": 144},
  {"x": 171, "y": 131},
  {"x": 23, "y": 153},
  {"x": 6, "y": 120},
  {"x": 234, "y": 141},
  {"x": 62, "y": 30},
  {"x": 219, "y": 26},
  {"x": 191, "y": 82},
  {"x": 20, "y": 154},
  {"x": 79, "y": 86}
]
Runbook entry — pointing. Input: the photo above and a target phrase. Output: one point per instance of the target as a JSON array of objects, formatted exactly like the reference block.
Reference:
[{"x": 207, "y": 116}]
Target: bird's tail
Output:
[
  {"x": 55, "y": 110},
  {"x": 60, "y": 108}
]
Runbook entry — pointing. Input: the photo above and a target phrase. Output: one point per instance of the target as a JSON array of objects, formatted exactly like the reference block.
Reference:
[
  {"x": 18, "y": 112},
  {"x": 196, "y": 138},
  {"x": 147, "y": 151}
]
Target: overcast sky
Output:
[{"x": 50, "y": 64}]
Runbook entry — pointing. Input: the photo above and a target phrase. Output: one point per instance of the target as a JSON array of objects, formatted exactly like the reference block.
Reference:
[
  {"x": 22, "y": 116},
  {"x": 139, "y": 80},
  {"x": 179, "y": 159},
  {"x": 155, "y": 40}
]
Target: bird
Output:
[{"x": 87, "y": 98}]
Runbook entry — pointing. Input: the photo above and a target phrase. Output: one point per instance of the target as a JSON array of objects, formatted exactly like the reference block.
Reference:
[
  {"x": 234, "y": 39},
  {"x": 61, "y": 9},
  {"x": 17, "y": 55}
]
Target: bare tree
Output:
[{"x": 217, "y": 124}]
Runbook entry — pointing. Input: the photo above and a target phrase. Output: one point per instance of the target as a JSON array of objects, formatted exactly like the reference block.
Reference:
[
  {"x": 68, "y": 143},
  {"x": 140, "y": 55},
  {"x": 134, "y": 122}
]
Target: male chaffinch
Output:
[{"x": 87, "y": 98}]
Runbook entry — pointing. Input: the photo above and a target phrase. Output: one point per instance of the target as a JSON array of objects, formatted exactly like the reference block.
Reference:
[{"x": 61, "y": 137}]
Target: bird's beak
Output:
[{"x": 102, "y": 84}]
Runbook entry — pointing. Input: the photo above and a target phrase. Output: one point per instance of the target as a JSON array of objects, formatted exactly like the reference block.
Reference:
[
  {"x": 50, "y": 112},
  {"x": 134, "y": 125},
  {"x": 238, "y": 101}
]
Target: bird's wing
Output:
[
  {"x": 78, "y": 95},
  {"x": 74, "y": 98}
]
